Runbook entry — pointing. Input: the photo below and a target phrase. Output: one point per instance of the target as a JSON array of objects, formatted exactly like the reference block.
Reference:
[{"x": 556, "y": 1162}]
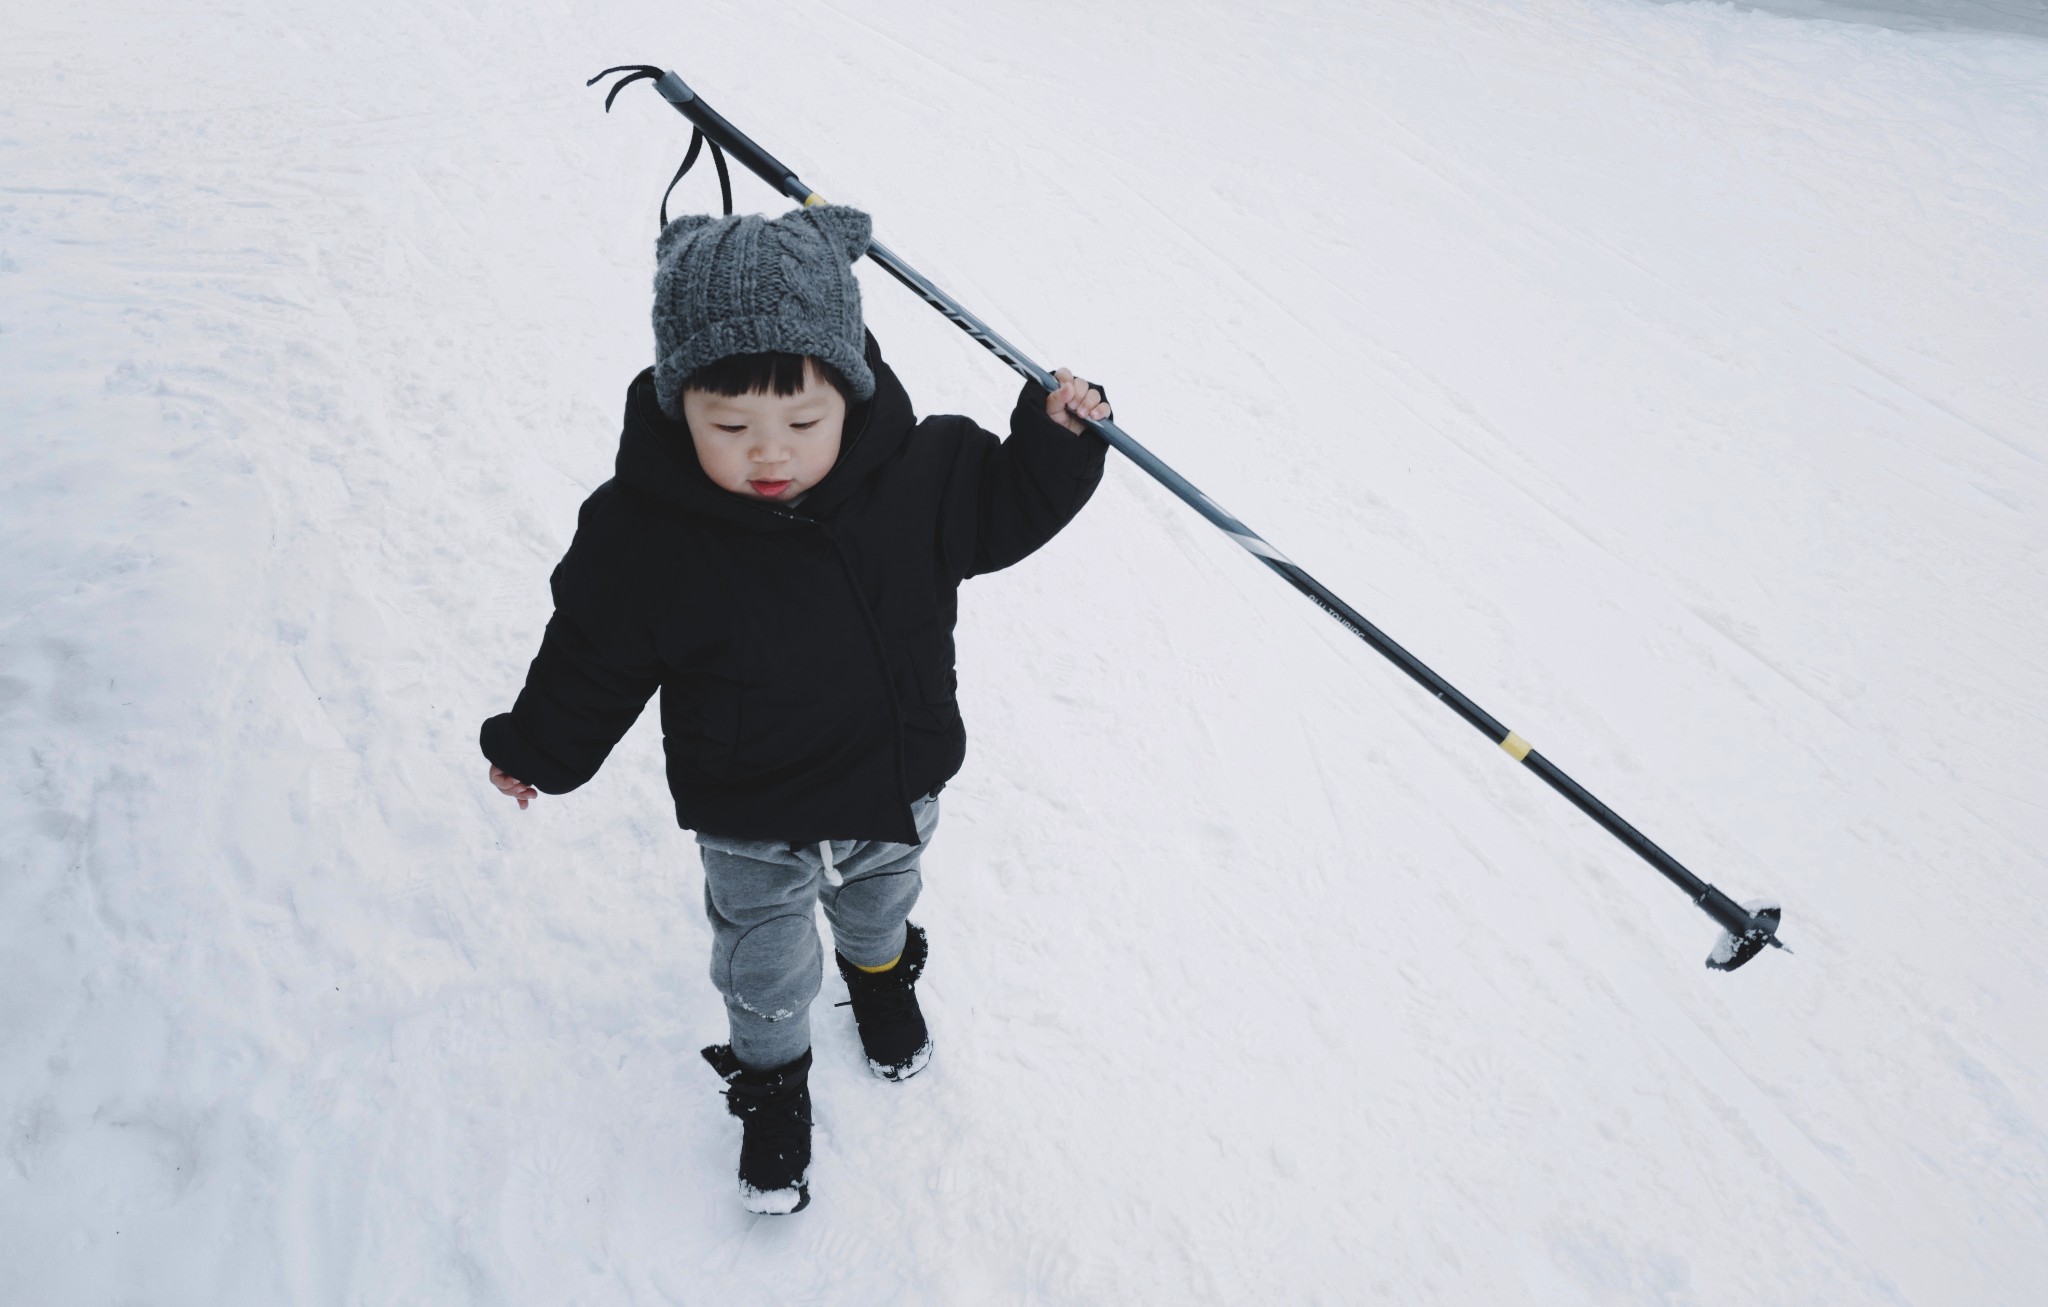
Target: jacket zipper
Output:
[{"x": 881, "y": 661}]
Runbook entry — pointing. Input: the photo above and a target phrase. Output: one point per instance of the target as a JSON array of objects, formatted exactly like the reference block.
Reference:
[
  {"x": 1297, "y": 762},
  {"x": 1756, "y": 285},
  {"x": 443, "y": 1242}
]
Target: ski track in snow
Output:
[{"x": 1684, "y": 409}]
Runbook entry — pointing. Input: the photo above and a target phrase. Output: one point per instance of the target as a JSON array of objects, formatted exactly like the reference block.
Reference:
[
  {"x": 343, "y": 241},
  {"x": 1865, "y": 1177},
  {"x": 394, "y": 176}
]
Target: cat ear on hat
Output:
[
  {"x": 679, "y": 228},
  {"x": 847, "y": 227}
]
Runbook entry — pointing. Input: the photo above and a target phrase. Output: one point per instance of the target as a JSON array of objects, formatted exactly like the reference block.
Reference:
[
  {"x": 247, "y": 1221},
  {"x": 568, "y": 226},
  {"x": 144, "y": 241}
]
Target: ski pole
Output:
[{"x": 1745, "y": 930}]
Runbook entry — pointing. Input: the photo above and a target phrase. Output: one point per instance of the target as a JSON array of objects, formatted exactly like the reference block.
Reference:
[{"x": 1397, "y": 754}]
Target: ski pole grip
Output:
[{"x": 730, "y": 138}]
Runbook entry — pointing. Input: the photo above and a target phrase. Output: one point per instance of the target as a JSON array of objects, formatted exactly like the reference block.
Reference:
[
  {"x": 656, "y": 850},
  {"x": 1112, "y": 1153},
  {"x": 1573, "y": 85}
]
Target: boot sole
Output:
[
  {"x": 917, "y": 1062},
  {"x": 774, "y": 1202}
]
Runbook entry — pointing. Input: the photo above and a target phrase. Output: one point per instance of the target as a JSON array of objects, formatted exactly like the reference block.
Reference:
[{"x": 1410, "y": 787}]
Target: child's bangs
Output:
[{"x": 755, "y": 374}]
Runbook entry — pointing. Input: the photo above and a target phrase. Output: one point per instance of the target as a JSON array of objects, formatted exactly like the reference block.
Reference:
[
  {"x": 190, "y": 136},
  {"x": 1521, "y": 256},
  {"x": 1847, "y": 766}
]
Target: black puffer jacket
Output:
[{"x": 804, "y": 653}]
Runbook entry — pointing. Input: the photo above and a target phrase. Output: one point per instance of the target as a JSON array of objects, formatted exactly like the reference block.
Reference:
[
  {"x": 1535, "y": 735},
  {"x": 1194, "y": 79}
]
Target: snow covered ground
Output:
[{"x": 1668, "y": 375}]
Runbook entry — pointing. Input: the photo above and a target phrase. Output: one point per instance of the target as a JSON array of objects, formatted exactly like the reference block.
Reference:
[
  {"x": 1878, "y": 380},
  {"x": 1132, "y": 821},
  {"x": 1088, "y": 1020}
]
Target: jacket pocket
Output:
[
  {"x": 701, "y": 713},
  {"x": 925, "y": 681}
]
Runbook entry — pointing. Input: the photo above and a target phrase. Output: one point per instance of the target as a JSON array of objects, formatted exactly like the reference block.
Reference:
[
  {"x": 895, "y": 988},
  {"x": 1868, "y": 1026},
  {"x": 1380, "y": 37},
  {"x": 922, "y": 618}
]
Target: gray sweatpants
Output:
[{"x": 765, "y": 957}]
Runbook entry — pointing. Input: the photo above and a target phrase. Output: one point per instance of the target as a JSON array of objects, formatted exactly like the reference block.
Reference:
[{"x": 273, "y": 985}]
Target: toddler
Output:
[{"x": 779, "y": 553}]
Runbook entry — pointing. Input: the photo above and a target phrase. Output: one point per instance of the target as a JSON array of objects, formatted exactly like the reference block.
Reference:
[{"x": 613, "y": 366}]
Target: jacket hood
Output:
[{"x": 657, "y": 457}]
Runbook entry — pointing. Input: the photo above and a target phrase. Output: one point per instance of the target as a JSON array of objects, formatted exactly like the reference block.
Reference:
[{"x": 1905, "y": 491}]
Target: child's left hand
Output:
[
  {"x": 1074, "y": 400},
  {"x": 513, "y": 787}
]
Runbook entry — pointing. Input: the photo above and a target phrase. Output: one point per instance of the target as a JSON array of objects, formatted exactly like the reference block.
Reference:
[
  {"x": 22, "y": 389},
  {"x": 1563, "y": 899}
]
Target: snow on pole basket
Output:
[{"x": 1733, "y": 950}]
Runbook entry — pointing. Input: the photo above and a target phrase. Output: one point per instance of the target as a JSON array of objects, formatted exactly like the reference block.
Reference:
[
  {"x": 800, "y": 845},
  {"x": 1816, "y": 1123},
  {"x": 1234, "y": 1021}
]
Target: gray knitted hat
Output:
[{"x": 744, "y": 284}]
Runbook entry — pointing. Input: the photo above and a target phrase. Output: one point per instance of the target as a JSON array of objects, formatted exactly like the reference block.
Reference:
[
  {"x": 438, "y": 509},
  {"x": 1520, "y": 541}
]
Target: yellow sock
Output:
[{"x": 878, "y": 970}]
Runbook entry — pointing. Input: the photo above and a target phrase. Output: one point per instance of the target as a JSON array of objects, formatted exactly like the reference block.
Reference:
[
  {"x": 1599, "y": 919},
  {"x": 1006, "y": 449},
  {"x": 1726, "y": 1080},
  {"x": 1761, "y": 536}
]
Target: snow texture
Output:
[{"x": 1667, "y": 376}]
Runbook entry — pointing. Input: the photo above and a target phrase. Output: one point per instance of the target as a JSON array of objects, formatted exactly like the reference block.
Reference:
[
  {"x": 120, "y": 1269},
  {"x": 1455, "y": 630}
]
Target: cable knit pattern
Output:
[{"x": 745, "y": 284}]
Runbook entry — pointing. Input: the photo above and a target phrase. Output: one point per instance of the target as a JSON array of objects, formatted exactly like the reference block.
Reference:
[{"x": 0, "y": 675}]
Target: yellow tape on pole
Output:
[
  {"x": 1517, "y": 747},
  {"x": 813, "y": 198}
]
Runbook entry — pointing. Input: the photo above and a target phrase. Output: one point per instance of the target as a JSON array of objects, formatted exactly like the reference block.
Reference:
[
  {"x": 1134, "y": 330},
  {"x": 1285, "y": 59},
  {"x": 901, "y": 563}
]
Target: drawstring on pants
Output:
[{"x": 831, "y": 872}]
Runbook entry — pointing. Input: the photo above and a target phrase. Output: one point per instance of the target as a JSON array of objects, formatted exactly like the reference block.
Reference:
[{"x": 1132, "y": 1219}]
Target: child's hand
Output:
[
  {"x": 1074, "y": 400},
  {"x": 513, "y": 786}
]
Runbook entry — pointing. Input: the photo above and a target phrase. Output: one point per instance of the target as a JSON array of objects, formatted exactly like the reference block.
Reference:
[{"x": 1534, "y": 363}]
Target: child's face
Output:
[{"x": 767, "y": 446}]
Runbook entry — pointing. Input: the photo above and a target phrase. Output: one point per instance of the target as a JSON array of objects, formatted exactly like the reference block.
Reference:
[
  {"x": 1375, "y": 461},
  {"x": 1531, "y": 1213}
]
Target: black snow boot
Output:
[
  {"x": 892, "y": 1030},
  {"x": 774, "y": 1108}
]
